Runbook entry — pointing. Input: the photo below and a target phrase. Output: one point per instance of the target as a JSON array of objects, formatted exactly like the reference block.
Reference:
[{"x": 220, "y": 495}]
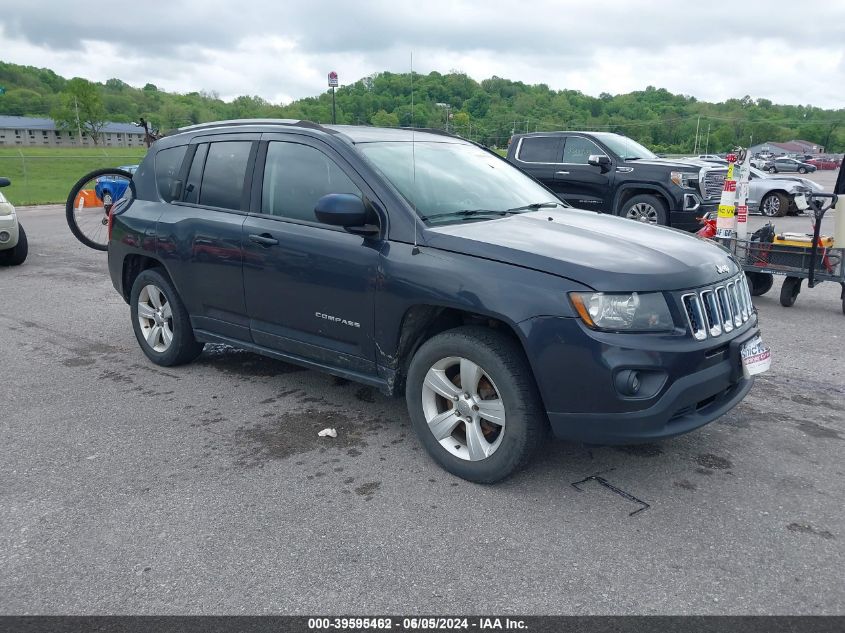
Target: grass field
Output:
[{"x": 44, "y": 175}]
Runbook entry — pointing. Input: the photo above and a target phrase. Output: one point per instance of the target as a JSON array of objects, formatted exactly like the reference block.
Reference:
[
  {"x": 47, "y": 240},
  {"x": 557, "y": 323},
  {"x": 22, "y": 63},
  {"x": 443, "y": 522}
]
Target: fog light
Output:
[
  {"x": 628, "y": 382},
  {"x": 5, "y": 236}
]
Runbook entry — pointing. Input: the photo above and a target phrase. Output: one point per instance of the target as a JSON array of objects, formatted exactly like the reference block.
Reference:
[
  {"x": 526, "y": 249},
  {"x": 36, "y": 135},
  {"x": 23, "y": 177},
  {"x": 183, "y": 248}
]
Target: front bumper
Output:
[
  {"x": 9, "y": 224},
  {"x": 686, "y": 218},
  {"x": 576, "y": 369}
]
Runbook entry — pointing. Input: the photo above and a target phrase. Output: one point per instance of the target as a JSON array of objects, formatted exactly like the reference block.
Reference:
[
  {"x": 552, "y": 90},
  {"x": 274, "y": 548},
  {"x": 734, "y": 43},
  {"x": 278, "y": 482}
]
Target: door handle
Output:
[
  {"x": 561, "y": 173},
  {"x": 265, "y": 239}
]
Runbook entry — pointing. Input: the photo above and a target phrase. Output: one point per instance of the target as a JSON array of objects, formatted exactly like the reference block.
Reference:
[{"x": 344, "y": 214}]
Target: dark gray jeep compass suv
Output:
[{"x": 423, "y": 264}]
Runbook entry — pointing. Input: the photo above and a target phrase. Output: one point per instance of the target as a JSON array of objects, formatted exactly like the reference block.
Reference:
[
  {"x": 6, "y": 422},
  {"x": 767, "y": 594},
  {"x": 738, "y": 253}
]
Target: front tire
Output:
[
  {"x": 474, "y": 405},
  {"x": 774, "y": 205},
  {"x": 17, "y": 255},
  {"x": 160, "y": 321},
  {"x": 802, "y": 170},
  {"x": 645, "y": 208}
]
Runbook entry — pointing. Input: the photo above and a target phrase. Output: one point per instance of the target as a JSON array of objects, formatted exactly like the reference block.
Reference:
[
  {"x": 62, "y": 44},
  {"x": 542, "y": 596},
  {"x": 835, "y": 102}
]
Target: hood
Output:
[
  {"x": 604, "y": 252},
  {"x": 790, "y": 180},
  {"x": 674, "y": 163}
]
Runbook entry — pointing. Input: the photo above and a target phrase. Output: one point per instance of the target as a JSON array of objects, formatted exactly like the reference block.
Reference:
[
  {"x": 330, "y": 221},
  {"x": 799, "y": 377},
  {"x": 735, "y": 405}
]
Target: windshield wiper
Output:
[
  {"x": 536, "y": 205},
  {"x": 468, "y": 213}
]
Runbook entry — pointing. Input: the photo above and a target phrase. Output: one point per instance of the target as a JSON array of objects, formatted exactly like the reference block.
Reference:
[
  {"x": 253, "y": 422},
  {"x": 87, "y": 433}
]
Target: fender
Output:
[{"x": 648, "y": 186}]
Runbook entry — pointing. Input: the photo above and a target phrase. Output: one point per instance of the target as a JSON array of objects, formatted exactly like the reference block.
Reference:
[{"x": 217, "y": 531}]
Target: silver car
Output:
[
  {"x": 13, "y": 243},
  {"x": 774, "y": 195}
]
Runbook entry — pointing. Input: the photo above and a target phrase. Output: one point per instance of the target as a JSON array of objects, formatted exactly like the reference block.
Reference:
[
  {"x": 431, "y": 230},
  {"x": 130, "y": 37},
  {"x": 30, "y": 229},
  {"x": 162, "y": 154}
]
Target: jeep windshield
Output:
[
  {"x": 456, "y": 182},
  {"x": 624, "y": 147}
]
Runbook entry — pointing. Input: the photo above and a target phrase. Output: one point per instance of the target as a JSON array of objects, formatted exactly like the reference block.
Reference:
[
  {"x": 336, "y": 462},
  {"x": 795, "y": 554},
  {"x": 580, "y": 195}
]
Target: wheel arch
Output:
[
  {"x": 134, "y": 265},
  {"x": 424, "y": 321},
  {"x": 626, "y": 192}
]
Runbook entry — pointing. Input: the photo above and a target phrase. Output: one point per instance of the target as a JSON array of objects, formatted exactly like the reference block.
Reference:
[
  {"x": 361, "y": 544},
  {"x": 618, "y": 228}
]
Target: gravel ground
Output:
[{"x": 127, "y": 488}]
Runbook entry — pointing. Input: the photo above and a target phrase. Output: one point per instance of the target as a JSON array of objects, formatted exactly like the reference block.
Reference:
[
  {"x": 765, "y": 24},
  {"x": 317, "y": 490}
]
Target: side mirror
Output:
[
  {"x": 341, "y": 209},
  {"x": 5, "y": 182},
  {"x": 599, "y": 160},
  {"x": 346, "y": 210}
]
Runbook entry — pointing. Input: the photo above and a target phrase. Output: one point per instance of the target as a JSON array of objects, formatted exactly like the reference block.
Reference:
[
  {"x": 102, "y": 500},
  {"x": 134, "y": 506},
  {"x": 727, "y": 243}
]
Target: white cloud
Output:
[{"x": 787, "y": 52}]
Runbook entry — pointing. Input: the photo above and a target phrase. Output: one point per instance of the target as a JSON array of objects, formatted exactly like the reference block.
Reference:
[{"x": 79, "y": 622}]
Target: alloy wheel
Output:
[
  {"x": 771, "y": 206},
  {"x": 643, "y": 212},
  {"x": 463, "y": 408},
  {"x": 155, "y": 316}
]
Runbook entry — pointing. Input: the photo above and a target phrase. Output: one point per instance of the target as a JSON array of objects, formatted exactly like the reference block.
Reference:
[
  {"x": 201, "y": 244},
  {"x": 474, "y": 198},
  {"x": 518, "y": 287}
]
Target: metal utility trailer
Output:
[{"x": 816, "y": 263}]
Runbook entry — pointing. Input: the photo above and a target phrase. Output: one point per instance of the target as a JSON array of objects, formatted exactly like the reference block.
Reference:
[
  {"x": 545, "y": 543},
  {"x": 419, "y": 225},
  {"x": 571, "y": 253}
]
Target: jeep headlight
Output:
[
  {"x": 629, "y": 312},
  {"x": 6, "y": 208},
  {"x": 683, "y": 179}
]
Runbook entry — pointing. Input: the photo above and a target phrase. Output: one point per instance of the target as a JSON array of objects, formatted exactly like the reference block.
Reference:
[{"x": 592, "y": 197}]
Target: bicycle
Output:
[{"x": 89, "y": 204}]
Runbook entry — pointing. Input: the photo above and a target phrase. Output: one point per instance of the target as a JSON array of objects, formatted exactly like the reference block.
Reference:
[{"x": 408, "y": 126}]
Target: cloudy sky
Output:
[{"x": 790, "y": 51}]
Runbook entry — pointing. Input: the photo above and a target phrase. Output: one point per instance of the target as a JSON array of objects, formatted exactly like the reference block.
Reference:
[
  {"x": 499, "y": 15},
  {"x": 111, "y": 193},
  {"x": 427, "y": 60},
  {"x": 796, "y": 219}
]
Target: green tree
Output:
[
  {"x": 81, "y": 108},
  {"x": 385, "y": 119}
]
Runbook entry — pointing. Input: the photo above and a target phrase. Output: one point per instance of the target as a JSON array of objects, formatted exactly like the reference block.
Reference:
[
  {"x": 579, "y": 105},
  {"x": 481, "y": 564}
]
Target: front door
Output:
[
  {"x": 309, "y": 287},
  {"x": 582, "y": 185}
]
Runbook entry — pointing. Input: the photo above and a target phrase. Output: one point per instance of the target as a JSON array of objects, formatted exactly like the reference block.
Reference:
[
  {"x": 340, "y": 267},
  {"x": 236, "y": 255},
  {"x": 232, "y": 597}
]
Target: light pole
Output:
[{"x": 448, "y": 108}]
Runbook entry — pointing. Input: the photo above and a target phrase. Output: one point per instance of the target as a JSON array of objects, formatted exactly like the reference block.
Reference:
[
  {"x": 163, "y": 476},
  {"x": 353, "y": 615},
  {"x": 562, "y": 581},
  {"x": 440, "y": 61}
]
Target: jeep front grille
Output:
[
  {"x": 717, "y": 310},
  {"x": 713, "y": 183}
]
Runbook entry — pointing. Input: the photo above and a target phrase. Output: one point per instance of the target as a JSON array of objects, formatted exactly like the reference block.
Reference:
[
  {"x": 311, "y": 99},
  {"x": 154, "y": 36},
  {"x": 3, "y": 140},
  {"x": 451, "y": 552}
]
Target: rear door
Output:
[
  {"x": 201, "y": 235},
  {"x": 309, "y": 287},
  {"x": 582, "y": 185}
]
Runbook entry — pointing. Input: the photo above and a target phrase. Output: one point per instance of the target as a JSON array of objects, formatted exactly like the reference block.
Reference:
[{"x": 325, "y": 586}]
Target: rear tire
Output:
[
  {"x": 497, "y": 362},
  {"x": 17, "y": 255},
  {"x": 789, "y": 291},
  {"x": 160, "y": 321},
  {"x": 645, "y": 208},
  {"x": 760, "y": 283}
]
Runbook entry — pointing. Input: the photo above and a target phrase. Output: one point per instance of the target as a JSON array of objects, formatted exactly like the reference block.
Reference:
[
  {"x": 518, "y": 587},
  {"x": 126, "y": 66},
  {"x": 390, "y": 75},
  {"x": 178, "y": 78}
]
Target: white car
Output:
[{"x": 13, "y": 244}]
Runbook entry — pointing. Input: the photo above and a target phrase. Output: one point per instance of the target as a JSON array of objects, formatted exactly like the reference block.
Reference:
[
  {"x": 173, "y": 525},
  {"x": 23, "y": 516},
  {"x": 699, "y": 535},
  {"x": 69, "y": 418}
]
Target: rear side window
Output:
[
  {"x": 539, "y": 149},
  {"x": 167, "y": 165},
  {"x": 296, "y": 176},
  {"x": 223, "y": 177}
]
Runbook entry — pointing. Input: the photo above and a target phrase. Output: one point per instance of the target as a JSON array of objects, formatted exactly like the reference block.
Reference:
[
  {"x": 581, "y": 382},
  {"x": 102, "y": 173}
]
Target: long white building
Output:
[{"x": 29, "y": 132}]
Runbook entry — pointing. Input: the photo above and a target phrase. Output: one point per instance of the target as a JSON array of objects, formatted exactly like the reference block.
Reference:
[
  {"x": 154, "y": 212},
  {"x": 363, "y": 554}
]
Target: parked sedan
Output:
[
  {"x": 790, "y": 165},
  {"x": 774, "y": 196}
]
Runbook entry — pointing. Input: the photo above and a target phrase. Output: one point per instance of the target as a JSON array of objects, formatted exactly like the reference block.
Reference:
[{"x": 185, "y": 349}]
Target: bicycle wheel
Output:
[{"x": 90, "y": 201}]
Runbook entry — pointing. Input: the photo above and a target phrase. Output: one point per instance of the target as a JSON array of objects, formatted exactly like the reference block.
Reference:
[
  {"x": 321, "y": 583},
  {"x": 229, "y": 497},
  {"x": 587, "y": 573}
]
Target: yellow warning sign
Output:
[{"x": 726, "y": 210}]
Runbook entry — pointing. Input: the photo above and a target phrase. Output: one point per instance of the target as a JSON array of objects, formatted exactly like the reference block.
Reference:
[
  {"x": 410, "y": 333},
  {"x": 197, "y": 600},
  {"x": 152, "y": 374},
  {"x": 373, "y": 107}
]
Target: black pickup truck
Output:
[{"x": 610, "y": 173}]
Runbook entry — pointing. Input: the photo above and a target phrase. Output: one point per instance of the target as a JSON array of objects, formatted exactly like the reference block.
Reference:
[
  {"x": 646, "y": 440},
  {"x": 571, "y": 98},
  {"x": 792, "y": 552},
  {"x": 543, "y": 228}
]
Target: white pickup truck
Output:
[{"x": 13, "y": 244}]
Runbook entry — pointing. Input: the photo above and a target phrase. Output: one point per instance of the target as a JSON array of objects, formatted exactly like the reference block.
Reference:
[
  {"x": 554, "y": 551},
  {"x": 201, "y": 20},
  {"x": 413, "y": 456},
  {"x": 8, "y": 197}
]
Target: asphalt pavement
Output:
[{"x": 127, "y": 488}]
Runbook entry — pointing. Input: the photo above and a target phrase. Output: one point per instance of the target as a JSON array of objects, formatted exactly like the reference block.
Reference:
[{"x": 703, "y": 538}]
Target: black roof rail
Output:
[{"x": 236, "y": 122}]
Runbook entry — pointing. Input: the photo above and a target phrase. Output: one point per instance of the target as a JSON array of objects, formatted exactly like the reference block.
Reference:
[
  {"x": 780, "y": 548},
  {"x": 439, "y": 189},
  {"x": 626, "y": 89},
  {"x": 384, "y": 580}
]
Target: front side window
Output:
[
  {"x": 539, "y": 149},
  {"x": 577, "y": 150},
  {"x": 223, "y": 178},
  {"x": 167, "y": 165},
  {"x": 624, "y": 147},
  {"x": 296, "y": 176},
  {"x": 441, "y": 180}
]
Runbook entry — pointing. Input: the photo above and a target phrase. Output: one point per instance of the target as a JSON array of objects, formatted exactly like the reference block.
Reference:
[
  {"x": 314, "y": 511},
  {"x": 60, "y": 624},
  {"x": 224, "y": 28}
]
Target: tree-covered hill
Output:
[{"x": 488, "y": 111}]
